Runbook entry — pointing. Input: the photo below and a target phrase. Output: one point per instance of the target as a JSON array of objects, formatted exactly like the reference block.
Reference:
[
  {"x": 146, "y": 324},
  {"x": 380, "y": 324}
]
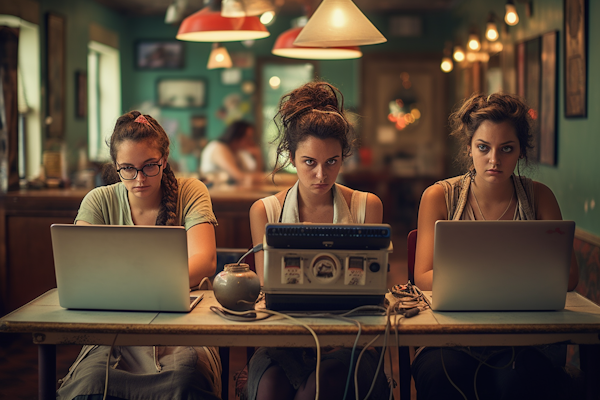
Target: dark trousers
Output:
[{"x": 526, "y": 374}]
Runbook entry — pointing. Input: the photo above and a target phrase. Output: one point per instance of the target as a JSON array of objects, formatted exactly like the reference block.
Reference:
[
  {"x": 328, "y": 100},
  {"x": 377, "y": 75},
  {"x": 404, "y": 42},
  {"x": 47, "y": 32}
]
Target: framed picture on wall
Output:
[
  {"x": 81, "y": 94},
  {"x": 181, "y": 92},
  {"x": 55, "y": 42},
  {"x": 548, "y": 98},
  {"x": 575, "y": 59},
  {"x": 159, "y": 54}
]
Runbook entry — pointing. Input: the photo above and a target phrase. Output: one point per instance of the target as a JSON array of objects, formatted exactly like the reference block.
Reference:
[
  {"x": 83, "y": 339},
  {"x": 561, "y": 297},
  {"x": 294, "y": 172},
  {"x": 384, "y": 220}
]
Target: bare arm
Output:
[
  {"x": 547, "y": 208},
  {"x": 374, "y": 212},
  {"x": 202, "y": 252},
  {"x": 258, "y": 220},
  {"x": 225, "y": 159},
  {"x": 431, "y": 209}
]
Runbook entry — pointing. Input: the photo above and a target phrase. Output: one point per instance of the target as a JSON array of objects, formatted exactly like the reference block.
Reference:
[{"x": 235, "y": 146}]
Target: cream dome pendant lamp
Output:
[{"x": 338, "y": 23}]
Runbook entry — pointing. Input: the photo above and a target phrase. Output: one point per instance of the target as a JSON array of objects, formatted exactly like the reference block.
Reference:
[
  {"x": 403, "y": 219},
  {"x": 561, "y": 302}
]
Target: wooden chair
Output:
[{"x": 404, "y": 351}]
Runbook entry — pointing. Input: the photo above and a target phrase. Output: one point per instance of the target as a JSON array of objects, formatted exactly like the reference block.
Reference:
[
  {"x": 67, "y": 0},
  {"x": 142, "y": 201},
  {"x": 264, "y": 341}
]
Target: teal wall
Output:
[
  {"x": 575, "y": 179},
  {"x": 78, "y": 14}
]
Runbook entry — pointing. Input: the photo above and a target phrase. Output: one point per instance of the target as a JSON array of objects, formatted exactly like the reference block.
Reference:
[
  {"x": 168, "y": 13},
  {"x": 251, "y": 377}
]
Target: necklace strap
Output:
[{"x": 481, "y": 212}]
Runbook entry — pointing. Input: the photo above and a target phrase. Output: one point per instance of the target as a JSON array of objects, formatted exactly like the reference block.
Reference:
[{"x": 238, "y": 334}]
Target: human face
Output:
[
  {"x": 318, "y": 162},
  {"x": 138, "y": 154},
  {"x": 495, "y": 151}
]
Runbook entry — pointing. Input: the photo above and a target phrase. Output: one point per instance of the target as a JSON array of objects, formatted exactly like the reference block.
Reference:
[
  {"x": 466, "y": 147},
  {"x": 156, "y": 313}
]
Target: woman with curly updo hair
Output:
[
  {"x": 314, "y": 137},
  {"x": 148, "y": 193},
  {"x": 494, "y": 136}
]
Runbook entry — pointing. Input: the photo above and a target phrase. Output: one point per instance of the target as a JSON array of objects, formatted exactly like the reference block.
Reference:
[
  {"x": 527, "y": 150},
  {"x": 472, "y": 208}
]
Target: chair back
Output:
[{"x": 412, "y": 249}]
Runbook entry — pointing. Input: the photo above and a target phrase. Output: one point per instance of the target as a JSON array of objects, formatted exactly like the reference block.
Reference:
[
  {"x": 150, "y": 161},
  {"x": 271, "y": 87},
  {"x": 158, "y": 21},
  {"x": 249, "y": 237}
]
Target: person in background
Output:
[
  {"x": 315, "y": 137},
  {"x": 494, "y": 139},
  {"x": 148, "y": 193},
  {"x": 233, "y": 158}
]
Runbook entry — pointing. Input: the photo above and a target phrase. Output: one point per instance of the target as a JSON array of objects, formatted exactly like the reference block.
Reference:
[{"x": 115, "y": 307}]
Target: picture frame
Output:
[
  {"x": 181, "y": 92},
  {"x": 575, "y": 58},
  {"x": 55, "y": 79},
  {"x": 548, "y": 98},
  {"x": 159, "y": 54},
  {"x": 81, "y": 100},
  {"x": 528, "y": 67}
]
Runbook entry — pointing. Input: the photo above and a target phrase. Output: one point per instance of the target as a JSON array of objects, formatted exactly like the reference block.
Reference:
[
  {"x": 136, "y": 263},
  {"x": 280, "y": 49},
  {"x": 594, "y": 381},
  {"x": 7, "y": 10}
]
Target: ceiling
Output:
[{"x": 290, "y": 7}]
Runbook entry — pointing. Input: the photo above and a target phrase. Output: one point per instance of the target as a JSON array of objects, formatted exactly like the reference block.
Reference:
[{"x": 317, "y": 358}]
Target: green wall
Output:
[
  {"x": 575, "y": 179},
  {"x": 78, "y": 14}
]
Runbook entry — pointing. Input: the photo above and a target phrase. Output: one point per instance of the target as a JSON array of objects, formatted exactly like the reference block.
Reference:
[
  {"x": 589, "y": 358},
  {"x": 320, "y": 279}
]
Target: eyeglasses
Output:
[{"x": 149, "y": 170}]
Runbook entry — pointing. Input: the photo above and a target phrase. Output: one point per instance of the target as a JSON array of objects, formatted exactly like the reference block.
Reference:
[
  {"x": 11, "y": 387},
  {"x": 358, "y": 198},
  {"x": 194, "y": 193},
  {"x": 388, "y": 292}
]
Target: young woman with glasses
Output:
[{"x": 148, "y": 193}]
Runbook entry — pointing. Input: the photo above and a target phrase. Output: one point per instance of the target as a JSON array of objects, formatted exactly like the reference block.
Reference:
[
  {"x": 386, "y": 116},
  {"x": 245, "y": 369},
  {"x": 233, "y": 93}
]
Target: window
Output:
[
  {"x": 104, "y": 97},
  {"x": 29, "y": 97},
  {"x": 278, "y": 79}
]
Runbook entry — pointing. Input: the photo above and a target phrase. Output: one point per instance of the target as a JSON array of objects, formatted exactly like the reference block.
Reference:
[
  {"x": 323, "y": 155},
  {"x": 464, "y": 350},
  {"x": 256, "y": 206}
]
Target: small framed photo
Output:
[
  {"x": 181, "y": 92},
  {"x": 159, "y": 54}
]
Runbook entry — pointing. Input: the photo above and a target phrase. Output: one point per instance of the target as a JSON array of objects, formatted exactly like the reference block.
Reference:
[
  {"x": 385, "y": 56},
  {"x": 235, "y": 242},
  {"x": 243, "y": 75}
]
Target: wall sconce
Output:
[
  {"x": 219, "y": 57},
  {"x": 511, "y": 17},
  {"x": 491, "y": 30},
  {"x": 474, "y": 43},
  {"x": 459, "y": 54}
]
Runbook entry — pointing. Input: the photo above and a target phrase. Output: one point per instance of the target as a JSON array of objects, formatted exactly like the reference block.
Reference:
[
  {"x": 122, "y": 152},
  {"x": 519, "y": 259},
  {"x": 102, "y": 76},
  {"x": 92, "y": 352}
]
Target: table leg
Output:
[
  {"x": 589, "y": 356},
  {"x": 224, "y": 353},
  {"x": 404, "y": 372},
  {"x": 47, "y": 371}
]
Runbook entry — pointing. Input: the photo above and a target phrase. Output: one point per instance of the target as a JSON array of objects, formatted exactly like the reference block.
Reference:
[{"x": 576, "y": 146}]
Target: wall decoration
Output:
[
  {"x": 159, "y": 54},
  {"x": 575, "y": 59},
  {"x": 55, "y": 79},
  {"x": 548, "y": 98},
  {"x": 181, "y": 92},
  {"x": 81, "y": 94},
  {"x": 536, "y": 66}
]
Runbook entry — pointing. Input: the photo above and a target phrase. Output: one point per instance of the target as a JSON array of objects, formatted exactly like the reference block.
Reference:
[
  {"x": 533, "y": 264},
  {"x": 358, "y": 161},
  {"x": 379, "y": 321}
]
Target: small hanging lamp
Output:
[{"x": 219, "y": 57}]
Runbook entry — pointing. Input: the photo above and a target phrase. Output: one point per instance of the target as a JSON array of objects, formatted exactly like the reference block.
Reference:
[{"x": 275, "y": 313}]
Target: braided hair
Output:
[
  {"x": 497, "y": 108},
  {"x": 313, "y": 109},
  {"x": 127, "y": 129}
]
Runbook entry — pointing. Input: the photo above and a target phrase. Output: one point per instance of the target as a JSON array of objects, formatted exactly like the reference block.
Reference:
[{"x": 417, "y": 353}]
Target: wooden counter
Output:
[{"x": 26, "y": 260}]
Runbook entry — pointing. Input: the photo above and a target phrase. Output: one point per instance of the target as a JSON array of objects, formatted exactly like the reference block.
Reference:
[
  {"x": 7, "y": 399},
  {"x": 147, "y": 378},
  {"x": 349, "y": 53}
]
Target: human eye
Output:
[
  {"x": 507, "y": 149},
  {"x": 331, "y": 161},
  {"x": 309, "y": 162},
  {"x": 482, "y": 147}
]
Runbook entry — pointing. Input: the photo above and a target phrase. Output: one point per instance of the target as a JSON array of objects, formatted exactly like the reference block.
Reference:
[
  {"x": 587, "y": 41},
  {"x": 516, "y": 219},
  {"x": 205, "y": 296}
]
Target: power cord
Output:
[
  {"x": 410, "y": 302},
  {"x": 107, "y": 364},
  {"x": 255, "y": 249}
]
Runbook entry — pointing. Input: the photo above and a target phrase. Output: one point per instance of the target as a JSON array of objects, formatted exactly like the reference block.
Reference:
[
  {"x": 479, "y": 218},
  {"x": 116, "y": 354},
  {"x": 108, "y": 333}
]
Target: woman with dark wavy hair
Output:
[
  {"x": 314, "y": 137},
  {"x": 494, "y": 139},
  {"x": 148, "y": 193}
]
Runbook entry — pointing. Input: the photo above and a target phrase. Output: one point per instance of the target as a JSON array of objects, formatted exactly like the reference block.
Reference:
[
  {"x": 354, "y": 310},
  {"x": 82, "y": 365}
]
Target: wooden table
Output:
[{"x": 578, "y": 323}]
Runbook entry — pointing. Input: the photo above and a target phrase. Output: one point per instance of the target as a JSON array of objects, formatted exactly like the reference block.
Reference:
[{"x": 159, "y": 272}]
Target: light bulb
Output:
[
  {"x": 474, "y": 42},
  {"x": 491, "y": 32},
  {"x": 459, "y": 54},
  {"x": 446, "y": 64},
  {"x": 511, "y": 17}
]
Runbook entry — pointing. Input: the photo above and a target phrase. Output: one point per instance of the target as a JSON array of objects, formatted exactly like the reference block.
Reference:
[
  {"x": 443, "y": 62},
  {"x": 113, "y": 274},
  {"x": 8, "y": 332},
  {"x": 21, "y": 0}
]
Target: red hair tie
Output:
[{"x": 141, "y": 120}]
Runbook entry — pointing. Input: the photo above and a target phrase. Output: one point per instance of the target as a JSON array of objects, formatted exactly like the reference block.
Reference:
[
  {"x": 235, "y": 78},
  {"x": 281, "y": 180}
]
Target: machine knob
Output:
[{"x": 374, "y": 267}]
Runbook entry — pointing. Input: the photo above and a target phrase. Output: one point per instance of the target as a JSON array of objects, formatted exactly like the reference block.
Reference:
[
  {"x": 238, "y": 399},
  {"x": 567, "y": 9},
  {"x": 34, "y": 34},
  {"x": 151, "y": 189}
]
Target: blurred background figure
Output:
[{"x": 234, "y": 158}]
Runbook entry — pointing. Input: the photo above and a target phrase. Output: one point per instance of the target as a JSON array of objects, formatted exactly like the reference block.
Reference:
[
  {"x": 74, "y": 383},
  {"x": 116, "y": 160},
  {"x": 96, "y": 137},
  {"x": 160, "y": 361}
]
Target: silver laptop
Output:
[
  {"x": 110, "y": 267},
  {"x": 501, "y": 265}
]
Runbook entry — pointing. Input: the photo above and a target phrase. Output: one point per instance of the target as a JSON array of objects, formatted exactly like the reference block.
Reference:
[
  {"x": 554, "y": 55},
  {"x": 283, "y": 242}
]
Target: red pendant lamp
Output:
[
  {"x": 285, "y": 47},
  {"x": 207, "y": 25}
]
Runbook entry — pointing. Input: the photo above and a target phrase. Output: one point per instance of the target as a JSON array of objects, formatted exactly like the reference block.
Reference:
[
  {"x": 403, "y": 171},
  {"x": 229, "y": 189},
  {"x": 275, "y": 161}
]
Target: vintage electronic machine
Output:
[{"x": 325, "y": 266}]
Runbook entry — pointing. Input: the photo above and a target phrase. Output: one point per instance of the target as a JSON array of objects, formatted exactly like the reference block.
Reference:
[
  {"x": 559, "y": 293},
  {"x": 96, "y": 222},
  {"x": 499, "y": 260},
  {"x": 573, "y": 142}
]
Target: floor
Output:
[{"x": 18, "y": 354}]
